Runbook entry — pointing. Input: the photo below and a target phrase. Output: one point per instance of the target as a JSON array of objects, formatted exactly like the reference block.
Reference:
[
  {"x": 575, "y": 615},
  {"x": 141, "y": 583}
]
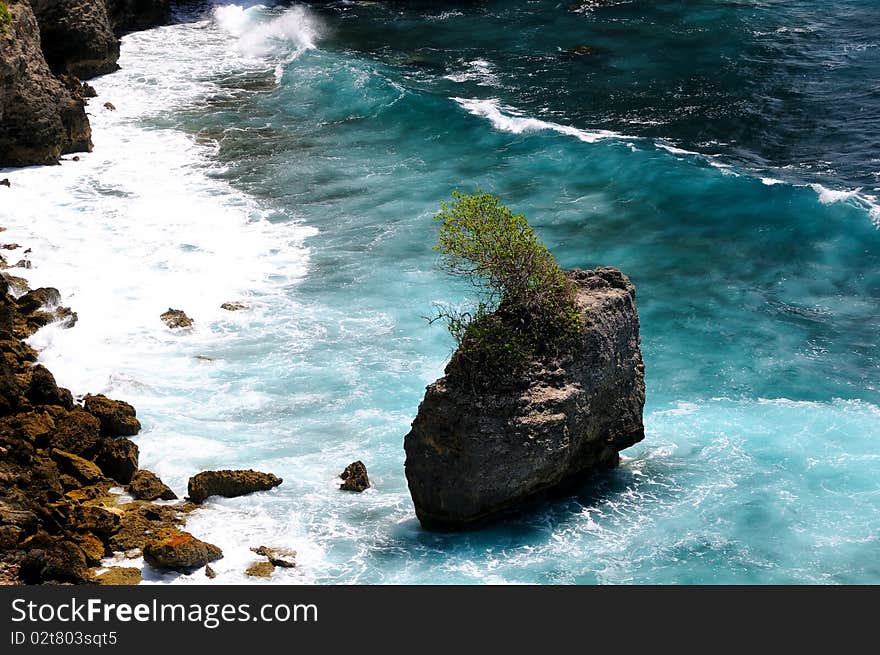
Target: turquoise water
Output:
[{"x": 722, "y": 154}]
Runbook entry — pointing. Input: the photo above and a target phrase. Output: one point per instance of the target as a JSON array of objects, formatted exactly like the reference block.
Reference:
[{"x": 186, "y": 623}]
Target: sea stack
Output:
[{"x": 473, "y": 452}]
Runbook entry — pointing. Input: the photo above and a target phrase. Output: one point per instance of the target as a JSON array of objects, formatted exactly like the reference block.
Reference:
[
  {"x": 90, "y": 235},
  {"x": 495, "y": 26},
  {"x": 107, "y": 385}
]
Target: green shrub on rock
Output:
[
  {"x": 5, "y": 16},
  {"x": 526, "y": 307}
]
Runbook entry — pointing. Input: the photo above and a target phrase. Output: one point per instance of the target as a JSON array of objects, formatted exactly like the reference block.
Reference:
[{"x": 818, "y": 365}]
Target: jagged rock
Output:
[
  {"x": 474, "y": 452},
  {"x": 147, "y": 486},
  {"x": 117, "y": 417},
  {"x": 77, "y": 37},
  {"x": 209, "y": 572},
  {"x": 82, "y": 469},
  {"x": 229, "y": 484},
  {"x": 101, "y": 520},
  {"x": 260, "y": 570},
  {"x": 10, "y": 535},
  {"x": 354, "y": 477},
  {"x": 52, "y": 559},
  {"x": 109, "y": 106},
  {"x": 118, "y": 459},
  {"x": 119, "y": 576},
  {"x": 44, "y": 297},
  {"x": 5, "y": 182},
  {"x": 39, "y": 119},
  {"x": 92, "y": 547},
  {"x": 277, "y": 556},
  {"x": 42, "y": 389},
  {"x": 180, "y": 551},
  {"x": 233, "y": 306},
  {"x": 76, "y": 432},
  {"x": 176, "y": 318},
  {"x": 142, "y": 522}
]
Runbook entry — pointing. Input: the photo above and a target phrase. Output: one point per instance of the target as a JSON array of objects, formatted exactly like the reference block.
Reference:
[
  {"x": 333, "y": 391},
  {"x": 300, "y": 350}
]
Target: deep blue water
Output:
[{"x": 723, "y": 154}]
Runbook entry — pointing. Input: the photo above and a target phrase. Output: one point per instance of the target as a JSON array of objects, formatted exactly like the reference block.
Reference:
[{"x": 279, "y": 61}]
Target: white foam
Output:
[
  {"x": 479, "y": 70},
  {"x": 510, "y": 120}
]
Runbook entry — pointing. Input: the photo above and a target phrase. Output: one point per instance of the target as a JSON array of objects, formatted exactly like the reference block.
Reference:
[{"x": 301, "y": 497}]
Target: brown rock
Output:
[
  {"x": 117, "y": 417},
  {"x": 180, "y": 551},
  {"x": 42, "y": 389},
  {"x": 76, "y": 432},
  {"x": 101, "y": 520},
  {"x": 42, "y": 298},
  {"x": 147, "y": 486},
  {"x": 260, "y": 570},
  {"x": 233, "y": 306},
  {"x": 277, "y": 556},
  {"x": 82, "y": 469},
  {"x": 119, "y": 576},
  {"x": 209, "y": 572},
  {"x": 10, "y": 535},
  {"x": 229, "y": 484},
  {"x": 53, "y": 559},
  {"x": 118, "y": 458},
  {"x": 92, "y": 547},
  {"x": 109, "y": 106},
  {"x": 354, "y": 477},
  {"x": 143, "y": 522},
  {"x": 176, "y": 318}
]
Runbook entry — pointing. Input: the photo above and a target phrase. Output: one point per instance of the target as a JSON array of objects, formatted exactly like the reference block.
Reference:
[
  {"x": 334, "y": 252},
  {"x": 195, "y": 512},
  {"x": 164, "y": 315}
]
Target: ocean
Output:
[{"x": 722, "y": 153}]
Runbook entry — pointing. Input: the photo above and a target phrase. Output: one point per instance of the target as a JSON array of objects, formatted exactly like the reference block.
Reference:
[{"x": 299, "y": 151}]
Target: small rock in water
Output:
[
  {"x": 209, "y": 572},
  {"x": 22, "y": 263},
  {"x": 119, "y": 576},
  {"x": 176, "y": 318},
  {"x": 260, "y": 570},
  {"x": 354, "y": 477},
  {"x": 5, "y": 182},
  {"x": 74, "y": 158},
  {"x": 109, "y": 106},
  {"x": 584, "y": 50},
  {"x": 229, "y": 484},
  {"x": 88, "y": 91},
  {"x": 233, "y": 306},
  {"x": 278, "y": 556},
  {"x": 10, "y": 246}
]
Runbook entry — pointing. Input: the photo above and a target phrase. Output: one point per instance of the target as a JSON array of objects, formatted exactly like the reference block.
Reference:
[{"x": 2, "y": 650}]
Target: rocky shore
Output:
[
  {"x": 472, "y": 453},
  {"x": 47, "y": 48}
]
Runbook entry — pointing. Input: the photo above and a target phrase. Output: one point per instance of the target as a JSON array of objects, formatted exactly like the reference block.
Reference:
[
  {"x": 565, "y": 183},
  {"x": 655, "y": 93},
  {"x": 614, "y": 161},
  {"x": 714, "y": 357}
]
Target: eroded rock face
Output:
[
  {"x": 39, "y": 118},
  {"x": 471, "y": 454},
  {"x": 229, "y": 484},
  {"x": 77, "y": 37},
  {"x": 118, "y": 458},
  {"x": 180, "y": 551},
  {"x": 130, "y": 15}
]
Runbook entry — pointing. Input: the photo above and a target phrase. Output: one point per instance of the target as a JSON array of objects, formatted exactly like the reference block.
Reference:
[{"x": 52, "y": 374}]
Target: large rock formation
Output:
[
  {"x": 77, "y": 36},
  {"x": 474, "y": 452},
  {"x": 39, "y": 118},
  {"x": 42, "y": 116}
]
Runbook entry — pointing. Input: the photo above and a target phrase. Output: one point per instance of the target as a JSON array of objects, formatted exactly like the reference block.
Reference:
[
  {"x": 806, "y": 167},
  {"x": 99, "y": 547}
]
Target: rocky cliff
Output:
[
  {"x": 39, "y": 118},
  {"x": 474, "y": 452}
]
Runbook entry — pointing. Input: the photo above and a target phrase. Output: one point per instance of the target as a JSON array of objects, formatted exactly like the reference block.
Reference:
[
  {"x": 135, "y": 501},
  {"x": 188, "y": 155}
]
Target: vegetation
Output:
[
  {"x": 5, "y": 16},
  {"x": 525, "y": 306}
]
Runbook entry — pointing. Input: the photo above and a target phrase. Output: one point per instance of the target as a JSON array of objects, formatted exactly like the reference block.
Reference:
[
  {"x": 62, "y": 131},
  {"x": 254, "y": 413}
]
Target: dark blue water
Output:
[{"x": 725, "y": 155}]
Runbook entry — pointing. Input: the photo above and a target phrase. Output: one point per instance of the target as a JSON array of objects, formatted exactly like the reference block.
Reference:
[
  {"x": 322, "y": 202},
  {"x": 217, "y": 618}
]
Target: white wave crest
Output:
[{"x": 510, "y": 120}]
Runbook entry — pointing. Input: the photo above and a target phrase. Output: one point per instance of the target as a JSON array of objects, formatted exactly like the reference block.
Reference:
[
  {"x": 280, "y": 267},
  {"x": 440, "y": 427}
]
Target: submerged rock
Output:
[
  {"x": 260, "y": 570},
  {"x": 119, "y": 576},
  {"x": 229, "y": 484},
  {"x": 354, "y": 477},
  {"x": 176, "y": 318},
  {"x": 472, "y": 453},
  {"x": 180, "y": 551},
  {"x": 277, "y": 556},
  {"x": 117, "y": 417},
  {"x": 145, "y": 485}
]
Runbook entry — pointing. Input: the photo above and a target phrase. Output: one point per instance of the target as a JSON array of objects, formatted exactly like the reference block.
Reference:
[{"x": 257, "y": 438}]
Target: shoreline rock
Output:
[
  {"x": 229, "y": 483},
  {"x": 474, "y": 453},
  {"x": 355, "y": 478},
  {"x": 180, "y": 551}
]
